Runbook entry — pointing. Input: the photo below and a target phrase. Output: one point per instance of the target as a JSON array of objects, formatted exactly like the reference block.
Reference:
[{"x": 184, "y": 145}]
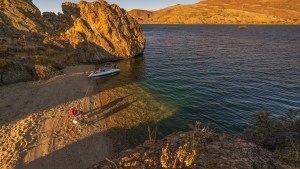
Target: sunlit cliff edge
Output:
[
  {"x": 36, "y": 46},
  {"x": 224, "y": 12}
]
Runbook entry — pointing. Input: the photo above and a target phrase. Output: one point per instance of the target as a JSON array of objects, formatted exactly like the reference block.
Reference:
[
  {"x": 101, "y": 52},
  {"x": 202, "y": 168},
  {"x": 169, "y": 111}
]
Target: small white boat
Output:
[{"x": 102, "y": 72}]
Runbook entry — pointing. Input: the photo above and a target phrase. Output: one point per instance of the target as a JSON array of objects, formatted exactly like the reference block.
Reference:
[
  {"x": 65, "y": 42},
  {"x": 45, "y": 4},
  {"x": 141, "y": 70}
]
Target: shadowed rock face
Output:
[
  {"x": 83, "y": 33},
  {"x": 225, "y": 12}
]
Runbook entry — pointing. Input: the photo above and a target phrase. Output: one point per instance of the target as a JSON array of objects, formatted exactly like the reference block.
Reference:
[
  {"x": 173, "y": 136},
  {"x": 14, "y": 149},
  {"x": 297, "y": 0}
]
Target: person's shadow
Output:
[
  {"x": 97, "y": 111},
  {"x": 110, "y": 113}
]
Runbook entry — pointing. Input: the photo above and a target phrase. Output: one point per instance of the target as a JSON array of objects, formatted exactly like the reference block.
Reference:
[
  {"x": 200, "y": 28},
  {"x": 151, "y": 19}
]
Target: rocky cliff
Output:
[
  {"x": 225, "y": 12},
  {"x": 195, "y": 149},
  {"x": 84, "y": 33}
]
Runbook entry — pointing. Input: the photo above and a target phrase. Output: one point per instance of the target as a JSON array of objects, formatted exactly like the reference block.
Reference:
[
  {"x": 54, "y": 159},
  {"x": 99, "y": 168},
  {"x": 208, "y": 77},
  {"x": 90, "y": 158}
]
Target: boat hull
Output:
[{"x": 104, "y": 74}]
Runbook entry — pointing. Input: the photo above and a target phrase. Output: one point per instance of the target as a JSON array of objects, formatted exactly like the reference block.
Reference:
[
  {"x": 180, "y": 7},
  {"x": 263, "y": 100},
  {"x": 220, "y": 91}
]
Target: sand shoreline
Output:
[
  {"x": 35, "y": 122},
  {"x": 37, "y": 131}
]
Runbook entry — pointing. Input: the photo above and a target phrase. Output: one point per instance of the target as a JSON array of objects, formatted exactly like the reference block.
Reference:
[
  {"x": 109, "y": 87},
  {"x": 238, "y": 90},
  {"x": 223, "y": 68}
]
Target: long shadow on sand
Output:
[
  {"x": 96, "y": 114},
  {"x": 95, "y": 111},
  {"x": 88, "y": 151},
  {"x": 32, "y": 100},
  {"x": 92, "y": 150},
  {"x": 108, "y": 114}
]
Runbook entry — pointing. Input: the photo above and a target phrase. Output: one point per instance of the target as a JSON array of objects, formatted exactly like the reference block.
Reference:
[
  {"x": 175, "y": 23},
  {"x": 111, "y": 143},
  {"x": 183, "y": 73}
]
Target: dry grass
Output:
[
  {"x": 45, "y": 72},
  {"x": 184, "y": 156},
  {"x": 40, "y": 60},
  {"x": 152, "y": 134}
]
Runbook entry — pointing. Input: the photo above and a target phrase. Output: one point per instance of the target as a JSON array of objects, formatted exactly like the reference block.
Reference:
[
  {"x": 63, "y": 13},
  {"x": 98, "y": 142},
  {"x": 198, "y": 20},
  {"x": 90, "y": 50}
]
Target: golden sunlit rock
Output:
[
  {"x": 105, "y": 25},
  {"x": 84, "y": 33}
]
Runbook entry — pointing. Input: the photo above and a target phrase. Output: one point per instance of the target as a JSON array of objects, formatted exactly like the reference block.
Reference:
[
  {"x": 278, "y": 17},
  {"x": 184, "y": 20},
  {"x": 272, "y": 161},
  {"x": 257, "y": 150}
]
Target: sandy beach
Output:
[{"x": 37, "y": 131}]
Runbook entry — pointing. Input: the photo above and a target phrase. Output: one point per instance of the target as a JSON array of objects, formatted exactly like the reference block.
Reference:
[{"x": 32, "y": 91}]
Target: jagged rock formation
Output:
[
  {"x": 213, "y": 151},
  {"x": 84, "y": 33},
  {"x": 225, "y": 12},
  {"x": 119, "y": 35}
]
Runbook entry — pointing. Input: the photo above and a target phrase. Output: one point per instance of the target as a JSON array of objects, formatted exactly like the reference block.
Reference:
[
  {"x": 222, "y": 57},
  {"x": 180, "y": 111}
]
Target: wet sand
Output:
[{"x": 36, "y": 130}]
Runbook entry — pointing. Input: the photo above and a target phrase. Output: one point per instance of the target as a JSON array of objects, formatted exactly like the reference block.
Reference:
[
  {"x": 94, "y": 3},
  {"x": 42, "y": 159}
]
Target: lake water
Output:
[{"x": 219, "y": 75}]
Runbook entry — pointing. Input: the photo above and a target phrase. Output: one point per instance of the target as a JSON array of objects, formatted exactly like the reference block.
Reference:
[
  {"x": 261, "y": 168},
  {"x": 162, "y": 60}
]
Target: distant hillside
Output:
[{"x": 224, "y": 12}]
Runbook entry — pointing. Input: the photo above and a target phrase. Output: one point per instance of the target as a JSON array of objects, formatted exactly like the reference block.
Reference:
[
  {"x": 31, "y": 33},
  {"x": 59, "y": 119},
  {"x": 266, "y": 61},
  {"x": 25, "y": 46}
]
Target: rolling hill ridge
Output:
[{"x": 224, "y": 12}]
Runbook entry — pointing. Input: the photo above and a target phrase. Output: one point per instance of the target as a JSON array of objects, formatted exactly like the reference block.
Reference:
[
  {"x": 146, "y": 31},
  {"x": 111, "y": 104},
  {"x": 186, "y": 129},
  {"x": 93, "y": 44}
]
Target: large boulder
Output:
[
  {"x": 105, "y": 25},
  {"x": 97, "y": 23},
  {"x": 84, "y": 33}
]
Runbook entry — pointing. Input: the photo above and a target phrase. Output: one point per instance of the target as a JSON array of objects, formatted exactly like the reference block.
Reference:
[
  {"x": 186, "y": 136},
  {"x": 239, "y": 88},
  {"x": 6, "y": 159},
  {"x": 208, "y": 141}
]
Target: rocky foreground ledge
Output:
[
  {"x": 37, "y": 46},
  {"x": 194, "y": 149},
  {"x": 272, "y": 142}
]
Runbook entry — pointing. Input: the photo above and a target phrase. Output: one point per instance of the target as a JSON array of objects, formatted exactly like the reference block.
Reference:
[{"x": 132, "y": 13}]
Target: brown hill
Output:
[
  {"x": 34, "y": 45},
  {"x": 225, "y": 12}
]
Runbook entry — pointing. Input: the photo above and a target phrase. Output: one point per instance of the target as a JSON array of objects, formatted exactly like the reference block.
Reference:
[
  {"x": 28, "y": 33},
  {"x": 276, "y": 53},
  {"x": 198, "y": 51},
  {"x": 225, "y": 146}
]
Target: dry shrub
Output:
[
  {"x": 152, "y": 135},
  {"x": 41, "y": 60},
  {"x": 4, "y": 63},
  {"x": 45, "y": 72},
  {"x": 280, "y": 135},
  {"x": 184, "y": 156}
]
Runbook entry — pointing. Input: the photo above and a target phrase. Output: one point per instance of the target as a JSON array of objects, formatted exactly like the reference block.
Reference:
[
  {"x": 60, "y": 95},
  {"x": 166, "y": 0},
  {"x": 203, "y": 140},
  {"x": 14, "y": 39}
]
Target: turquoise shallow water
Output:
[{"x": 220, "y": 75}]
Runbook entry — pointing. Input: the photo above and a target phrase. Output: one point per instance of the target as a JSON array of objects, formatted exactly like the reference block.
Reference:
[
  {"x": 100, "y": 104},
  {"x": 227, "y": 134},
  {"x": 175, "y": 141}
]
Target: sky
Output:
[{"x": 55, "y": 5}]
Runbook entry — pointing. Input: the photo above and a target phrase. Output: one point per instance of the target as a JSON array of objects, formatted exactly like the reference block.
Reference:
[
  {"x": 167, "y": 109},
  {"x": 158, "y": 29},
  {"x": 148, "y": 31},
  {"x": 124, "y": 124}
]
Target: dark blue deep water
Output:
[{"x": 221, "y": 75}]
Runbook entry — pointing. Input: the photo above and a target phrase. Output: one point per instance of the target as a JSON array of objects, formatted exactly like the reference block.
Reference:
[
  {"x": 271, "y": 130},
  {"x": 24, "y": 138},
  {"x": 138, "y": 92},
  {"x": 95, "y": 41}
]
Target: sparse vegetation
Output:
[
  {"x": 199, "y": 148},
  {"x": 40, "y": 60},
  {"x": 152, "y": 134},
  {"x": 280, "y": 135},
  {"x": 183, "y": 156},
  {"x": 4, "y": 63},
  {"x": 45, "y": 72}
]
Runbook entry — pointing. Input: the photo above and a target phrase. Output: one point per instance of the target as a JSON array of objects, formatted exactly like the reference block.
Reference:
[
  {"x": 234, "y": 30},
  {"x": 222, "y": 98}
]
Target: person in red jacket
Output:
[
  {"x": 77, "y": 115},
  {"x": 73, "y": 111}
]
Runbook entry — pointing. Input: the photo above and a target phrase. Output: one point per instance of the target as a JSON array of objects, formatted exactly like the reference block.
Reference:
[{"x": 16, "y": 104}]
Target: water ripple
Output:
[{"x": 220, "y": 74}]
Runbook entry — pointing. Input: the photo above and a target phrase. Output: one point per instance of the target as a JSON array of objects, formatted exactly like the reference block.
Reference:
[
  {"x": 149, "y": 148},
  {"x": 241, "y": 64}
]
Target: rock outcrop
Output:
[
  {"x": 195, "y": 149},
  {"x": 84, "y": 33},
  {"x": 104, "y": 25},
  {"x": 225, "y": 12}
]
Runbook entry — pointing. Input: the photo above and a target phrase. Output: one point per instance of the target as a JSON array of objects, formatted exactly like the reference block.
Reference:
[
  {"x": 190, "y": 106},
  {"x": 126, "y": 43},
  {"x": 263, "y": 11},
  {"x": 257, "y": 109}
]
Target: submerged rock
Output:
[{"x": 84, "y": 33}]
